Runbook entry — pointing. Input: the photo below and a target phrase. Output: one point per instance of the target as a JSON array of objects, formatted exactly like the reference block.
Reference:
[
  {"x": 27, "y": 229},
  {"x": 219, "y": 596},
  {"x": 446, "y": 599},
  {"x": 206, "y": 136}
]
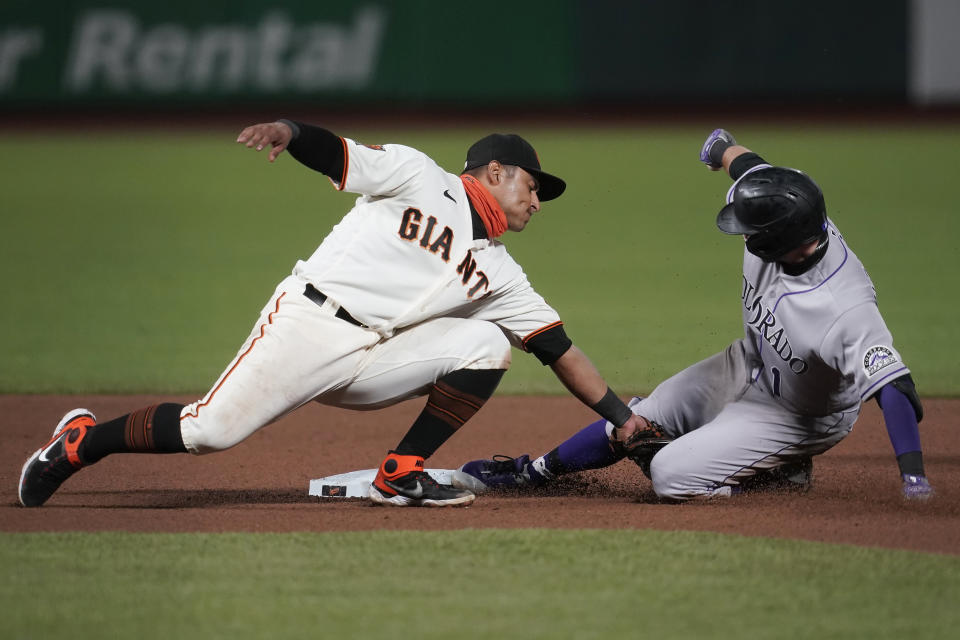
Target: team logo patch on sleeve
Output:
[{"x": 877, "y": 358}]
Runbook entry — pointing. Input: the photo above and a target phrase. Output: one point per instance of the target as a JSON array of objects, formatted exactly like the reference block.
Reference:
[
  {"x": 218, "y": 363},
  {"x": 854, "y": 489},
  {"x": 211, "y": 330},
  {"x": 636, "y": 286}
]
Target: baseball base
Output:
[{"x": 355, "y": 484}]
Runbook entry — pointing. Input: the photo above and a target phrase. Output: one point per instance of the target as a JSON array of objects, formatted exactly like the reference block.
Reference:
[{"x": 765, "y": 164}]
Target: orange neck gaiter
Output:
[{"x": 493, "y": 217}]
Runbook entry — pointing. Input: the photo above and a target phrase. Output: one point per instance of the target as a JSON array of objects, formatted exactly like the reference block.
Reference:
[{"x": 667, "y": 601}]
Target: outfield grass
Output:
[
  {"x": 139, "y": 262},
  {"x": 469, "y": 584}
]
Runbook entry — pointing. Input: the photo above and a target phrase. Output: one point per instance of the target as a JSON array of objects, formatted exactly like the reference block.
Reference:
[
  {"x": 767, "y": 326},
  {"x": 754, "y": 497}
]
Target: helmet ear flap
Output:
[
  {"x": 764, "y": 246},
  {"x": 771, "y": 245}
]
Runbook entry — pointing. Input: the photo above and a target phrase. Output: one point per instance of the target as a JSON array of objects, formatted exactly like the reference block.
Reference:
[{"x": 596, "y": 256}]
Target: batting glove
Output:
[
  {"x": 711, "y": 154},
  {"x": 916, "y": 487}
]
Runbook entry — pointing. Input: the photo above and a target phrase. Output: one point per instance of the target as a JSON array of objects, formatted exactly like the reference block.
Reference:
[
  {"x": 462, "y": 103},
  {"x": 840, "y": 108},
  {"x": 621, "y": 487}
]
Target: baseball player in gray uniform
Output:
[
  {"x": 411, "y": 294},
  {"x": 815, "y": 347}
]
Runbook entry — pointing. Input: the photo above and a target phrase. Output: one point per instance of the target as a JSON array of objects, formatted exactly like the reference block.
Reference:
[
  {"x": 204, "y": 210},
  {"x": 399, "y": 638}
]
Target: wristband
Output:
[
  {"x": 717, "y": 149},
  {"x": 612, "y": 409},
  {"x": 294, "y": 128},
  {"x": 743, "y": 163}
]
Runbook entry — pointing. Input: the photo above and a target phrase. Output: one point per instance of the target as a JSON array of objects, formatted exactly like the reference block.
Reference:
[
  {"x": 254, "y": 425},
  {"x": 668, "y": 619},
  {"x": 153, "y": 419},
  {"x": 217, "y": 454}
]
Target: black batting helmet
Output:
[{"x": 778, "y": 209}]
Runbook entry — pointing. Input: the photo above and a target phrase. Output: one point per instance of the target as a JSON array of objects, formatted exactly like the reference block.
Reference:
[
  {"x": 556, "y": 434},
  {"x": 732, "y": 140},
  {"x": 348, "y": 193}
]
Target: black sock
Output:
[
  {"x": 911, "y": 463},
  {"x": 453, "y": 400},
  {"x": 154, "y": 429}
]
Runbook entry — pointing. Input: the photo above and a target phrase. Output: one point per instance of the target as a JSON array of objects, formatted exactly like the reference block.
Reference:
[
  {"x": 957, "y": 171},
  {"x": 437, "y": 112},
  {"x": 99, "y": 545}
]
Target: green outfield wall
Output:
[{"x": 380, "y": 53}]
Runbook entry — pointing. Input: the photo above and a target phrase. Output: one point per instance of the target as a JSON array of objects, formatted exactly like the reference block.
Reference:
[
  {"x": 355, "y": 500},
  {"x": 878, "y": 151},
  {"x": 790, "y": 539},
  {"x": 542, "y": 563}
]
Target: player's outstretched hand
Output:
[
  {"x": 916, "y": 487},
  {"x": 275, "y": 134},
  {"x": 624, "y": 432},
  {"x": 711, "y": 153}
]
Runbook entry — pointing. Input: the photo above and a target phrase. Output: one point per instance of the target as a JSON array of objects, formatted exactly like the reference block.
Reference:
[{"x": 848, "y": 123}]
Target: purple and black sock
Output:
[{"x": 588, "y": 448}]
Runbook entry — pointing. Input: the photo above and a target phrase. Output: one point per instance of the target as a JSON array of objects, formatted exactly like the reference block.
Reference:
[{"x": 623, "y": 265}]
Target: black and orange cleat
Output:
[
  {"x": 54, "y": 462},
  {"x": 402, "y": 482}
]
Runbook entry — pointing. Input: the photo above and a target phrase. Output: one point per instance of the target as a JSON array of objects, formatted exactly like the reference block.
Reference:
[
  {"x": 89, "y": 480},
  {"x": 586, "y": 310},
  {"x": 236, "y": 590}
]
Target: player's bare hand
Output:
[
  {"x": 276, "y": 135},
  {"x": 640, "y": 440},
  {"x": 624, "y": 432}
]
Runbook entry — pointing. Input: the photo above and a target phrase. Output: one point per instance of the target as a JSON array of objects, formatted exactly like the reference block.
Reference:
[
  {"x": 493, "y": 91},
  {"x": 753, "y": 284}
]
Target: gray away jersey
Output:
[{"x": 817, "y": 341}]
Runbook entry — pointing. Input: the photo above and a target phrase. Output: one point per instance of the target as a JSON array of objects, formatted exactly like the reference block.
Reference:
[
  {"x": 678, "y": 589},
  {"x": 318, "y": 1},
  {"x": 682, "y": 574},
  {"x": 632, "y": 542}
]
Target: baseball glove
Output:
[{"x": 642, "y": 444}]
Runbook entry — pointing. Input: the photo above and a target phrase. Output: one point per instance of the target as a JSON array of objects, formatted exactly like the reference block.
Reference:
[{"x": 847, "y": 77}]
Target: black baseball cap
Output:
[{"x": 509, "y": 148}]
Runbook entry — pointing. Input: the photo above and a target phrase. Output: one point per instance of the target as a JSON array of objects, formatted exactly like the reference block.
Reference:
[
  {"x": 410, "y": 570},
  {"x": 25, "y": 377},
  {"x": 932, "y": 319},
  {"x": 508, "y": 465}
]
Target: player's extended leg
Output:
[
  {"x": 457, "y": 364},
  {"x": 452, "y": 400},
  {"x": 296, "y": 351},
  {"x": 268, "y": 377},
  {"x": 695, "y": 396},
  {"x": 78, "y": 441},
  {"x": 678, "y": 405},
  {"x": 752, "y": 435},
  {"x": 589, "y": 448}
]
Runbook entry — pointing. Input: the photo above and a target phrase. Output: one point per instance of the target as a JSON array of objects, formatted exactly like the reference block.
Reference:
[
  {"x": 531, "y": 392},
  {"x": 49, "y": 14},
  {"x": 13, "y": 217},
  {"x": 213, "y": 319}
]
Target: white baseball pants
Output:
[{"x": 300, "y": 351}]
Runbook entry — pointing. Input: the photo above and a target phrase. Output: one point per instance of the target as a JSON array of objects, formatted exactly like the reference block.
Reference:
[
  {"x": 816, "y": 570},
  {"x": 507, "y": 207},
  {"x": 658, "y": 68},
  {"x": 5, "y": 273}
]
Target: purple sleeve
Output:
[{"x": 900, "y": 419}]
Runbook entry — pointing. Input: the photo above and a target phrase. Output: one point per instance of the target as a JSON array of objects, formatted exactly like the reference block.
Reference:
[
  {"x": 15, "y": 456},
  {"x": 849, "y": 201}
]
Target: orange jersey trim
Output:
[
  {"x": 346, "y": 164},
  {"x": 530, "y": 336},
  {"x": 263, "y": 329}
]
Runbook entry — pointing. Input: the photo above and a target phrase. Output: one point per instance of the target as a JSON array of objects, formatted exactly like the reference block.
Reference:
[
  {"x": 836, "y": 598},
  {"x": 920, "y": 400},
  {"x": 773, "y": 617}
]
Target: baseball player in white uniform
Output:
[
  {"x": 815, "y": 347},
  {"x": 411, "y": 294}
]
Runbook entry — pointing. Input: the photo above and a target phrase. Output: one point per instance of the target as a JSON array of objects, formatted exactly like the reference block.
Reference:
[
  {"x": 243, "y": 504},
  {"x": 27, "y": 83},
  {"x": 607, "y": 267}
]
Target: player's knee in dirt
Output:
[{"x": 672, "y": 479}]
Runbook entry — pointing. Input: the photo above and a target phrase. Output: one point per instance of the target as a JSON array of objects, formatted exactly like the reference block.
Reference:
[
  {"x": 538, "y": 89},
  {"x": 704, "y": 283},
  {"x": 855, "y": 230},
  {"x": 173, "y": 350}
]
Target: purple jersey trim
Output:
[
  {"x": 779, "y": 454},
  {"x": 759, "y": 338},
  {"x": 814, "y": 288},
  {"x": 870, "y": 389}
]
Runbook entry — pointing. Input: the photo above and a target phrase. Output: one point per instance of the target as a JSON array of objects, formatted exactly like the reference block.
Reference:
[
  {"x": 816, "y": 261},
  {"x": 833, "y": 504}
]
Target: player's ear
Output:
[{"x": 494, "y": 171}]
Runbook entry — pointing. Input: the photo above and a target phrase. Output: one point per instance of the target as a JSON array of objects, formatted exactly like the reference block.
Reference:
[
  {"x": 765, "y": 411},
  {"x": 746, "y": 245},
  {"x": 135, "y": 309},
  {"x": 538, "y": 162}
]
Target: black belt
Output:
[{"x": 319, "y": 298}]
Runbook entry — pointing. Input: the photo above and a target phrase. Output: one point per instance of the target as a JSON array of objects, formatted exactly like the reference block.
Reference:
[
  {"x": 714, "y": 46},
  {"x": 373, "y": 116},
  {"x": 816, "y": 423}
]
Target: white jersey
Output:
[
  {"x": 817, "y": 341},
  {"x": 403, "y": 262},
  {"x": 406, "y": 251}
]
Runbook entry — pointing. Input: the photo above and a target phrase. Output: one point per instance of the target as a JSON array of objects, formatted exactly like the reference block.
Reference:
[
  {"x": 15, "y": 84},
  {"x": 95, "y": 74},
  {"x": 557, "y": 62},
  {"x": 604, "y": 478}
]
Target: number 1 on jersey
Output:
[{"x": 776, "y": 381}]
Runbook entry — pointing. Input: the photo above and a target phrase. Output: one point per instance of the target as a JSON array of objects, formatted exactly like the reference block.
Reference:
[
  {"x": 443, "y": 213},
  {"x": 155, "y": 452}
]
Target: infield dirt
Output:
[{"x": 261, "y": 485}]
